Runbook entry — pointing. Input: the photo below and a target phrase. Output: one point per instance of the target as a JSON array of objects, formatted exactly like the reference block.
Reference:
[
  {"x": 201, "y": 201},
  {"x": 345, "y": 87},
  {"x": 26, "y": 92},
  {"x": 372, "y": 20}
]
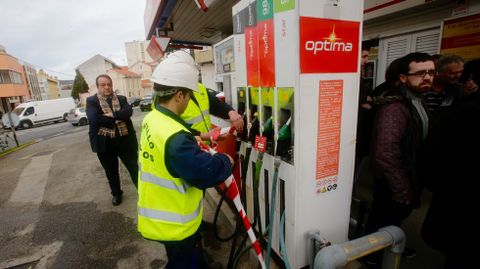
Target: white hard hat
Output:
[{"x": 177, "y": 70}]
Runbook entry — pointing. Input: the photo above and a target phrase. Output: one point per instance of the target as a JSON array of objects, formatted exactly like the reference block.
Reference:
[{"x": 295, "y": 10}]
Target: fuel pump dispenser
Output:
[
  {"x": 298, "y": 62},
  {"x": 268, "y": 117}
]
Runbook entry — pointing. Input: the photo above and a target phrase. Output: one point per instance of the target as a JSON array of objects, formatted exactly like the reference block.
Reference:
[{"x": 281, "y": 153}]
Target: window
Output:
[
  {"x": 399, "y": 46},
  {"x": 18, "y": 110},
  {"x": 10, "y": 77},
  {"x": 29, "y": 111},
  {"x": 5, "y": 77}
]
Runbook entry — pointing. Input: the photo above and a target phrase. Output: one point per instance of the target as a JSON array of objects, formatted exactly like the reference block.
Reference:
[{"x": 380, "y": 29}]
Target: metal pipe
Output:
[{"x": 340, "y": 254}]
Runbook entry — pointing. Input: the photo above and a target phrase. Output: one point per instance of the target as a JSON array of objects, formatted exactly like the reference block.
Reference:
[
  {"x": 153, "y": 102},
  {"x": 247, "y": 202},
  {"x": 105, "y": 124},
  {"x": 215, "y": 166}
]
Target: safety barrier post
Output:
[{"x": 390, "y": 238}]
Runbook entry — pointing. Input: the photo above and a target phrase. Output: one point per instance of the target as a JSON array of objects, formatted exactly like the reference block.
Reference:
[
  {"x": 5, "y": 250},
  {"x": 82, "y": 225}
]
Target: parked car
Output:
[
  {"x": 40, "y": 112},
  {"x": 77, "y": 116},
  {"x": 134, "y": 101},
  {"x": 146, "y": 104}
]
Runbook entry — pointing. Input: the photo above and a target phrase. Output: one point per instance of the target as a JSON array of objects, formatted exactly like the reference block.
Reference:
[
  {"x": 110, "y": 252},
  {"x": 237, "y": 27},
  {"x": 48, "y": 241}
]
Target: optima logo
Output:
[
  {"x": 328, "y": 46},
  {"x": 331, "y": 43}
]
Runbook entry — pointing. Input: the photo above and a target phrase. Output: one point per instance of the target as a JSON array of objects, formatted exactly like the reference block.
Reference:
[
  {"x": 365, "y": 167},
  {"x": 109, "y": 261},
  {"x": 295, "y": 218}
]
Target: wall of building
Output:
[
  {"x": 126, "y": 85},
  {"x": 19, "y": 86},
  {"x": 93, "y": 67},
  {"x": 207, "y": 71},
  {"x": 66, "y": 87},
  {"x": 136, "y": 52},
  {"x": 411, "y": 23},
  {"x": 53, "y": 88},
  {"x": 32, "y": 81},
  {"x": 145, "y": 70}
]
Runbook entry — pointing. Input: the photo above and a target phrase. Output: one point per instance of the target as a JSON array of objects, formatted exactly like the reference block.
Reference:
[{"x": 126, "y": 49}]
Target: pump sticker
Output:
[
  {"x": 260, "y": 143},
  {"x": 328, "y": 46},
  {"x": 251, "y": 45},
  {"x": 328, "y": 137}
]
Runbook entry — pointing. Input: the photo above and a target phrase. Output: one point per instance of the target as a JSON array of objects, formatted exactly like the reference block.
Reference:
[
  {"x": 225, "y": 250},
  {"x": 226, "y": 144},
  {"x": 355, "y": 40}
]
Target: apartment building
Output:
[
  {"x": 93, "y": 67},
  {"x": 126, "y": 82},
  {"x": 13, "y": 85},
  {"x": 140, "y": 62},
  {"x": 66, "y": 87},
  {"x": 48, "y": 85},
  {"x": 33, "y": 82}
]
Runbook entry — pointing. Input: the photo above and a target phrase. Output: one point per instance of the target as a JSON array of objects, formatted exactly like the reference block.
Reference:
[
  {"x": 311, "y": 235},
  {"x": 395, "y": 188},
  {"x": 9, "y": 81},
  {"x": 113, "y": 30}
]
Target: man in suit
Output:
[{"x": 112, "y": 135}]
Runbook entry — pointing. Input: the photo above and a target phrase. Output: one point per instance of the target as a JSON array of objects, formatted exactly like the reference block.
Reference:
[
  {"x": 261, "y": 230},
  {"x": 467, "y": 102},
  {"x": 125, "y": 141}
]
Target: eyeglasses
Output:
[{"x": 423, "y": 73}]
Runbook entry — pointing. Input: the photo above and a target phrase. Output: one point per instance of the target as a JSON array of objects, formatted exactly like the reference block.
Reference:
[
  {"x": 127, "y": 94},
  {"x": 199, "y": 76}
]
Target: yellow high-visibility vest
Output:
[
  {"x": 198, "y": 116},
  {"x": 168, "y": 208}
]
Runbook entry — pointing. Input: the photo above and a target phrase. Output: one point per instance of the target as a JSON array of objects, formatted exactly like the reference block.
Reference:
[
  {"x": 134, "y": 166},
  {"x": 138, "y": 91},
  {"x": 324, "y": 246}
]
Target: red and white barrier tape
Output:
[{"x": 234, "y": 194}]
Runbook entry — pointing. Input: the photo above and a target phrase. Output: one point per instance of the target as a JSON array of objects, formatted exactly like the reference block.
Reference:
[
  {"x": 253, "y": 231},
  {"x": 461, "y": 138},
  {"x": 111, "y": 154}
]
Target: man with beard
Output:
[{"x": 401, "y": 125}]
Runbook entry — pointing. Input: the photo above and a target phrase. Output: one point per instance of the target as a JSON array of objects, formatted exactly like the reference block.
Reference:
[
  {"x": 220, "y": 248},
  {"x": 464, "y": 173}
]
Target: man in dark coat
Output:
[
  {"x": 401, "y": 124},
  {"x": 112, "y": 135}
]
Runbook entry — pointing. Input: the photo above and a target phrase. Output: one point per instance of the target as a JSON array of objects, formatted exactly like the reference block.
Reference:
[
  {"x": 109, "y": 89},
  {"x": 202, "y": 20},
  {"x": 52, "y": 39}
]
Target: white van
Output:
[{"x": 40, "y": 112}]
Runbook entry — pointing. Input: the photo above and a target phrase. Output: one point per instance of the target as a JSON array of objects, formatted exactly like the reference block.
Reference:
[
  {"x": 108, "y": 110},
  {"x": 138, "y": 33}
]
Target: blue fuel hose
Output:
[
  {"x": 272, "y": 210},
  {"x": 283, "y": 247}
]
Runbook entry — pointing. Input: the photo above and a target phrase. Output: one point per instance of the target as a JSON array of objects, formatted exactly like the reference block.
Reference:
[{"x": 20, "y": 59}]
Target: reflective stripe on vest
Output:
[
  {"x": 169, "y": 216},
  {"x": 198, "y": 119},
  {"x": 168, "y": 208},
  {"x": 161, "y": 182},
  {"x": 193, "y": 113}
]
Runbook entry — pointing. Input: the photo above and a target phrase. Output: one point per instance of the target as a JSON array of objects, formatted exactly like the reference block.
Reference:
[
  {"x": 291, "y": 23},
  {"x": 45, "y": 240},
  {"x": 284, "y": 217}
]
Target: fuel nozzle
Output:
[
  {"x": 284, "y": 141},
  {"x": 285, "y": 132},
  {"x": 254, "y": 129},
  {"x": 268, "y": 125}
]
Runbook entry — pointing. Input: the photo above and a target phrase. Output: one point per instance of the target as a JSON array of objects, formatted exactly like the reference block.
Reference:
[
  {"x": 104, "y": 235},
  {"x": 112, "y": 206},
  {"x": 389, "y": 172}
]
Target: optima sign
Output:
[{"x": 328, "y": 46}]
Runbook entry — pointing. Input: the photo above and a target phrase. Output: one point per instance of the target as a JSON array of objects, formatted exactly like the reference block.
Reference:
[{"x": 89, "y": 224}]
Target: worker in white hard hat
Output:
[
  {"x": 202, "y": 104},
  {"x": 173, "y": 168}
]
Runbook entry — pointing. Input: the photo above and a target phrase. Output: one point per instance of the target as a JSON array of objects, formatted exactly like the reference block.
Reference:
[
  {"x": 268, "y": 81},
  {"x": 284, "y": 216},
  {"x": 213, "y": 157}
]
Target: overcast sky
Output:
[{"x": 58, "y": 35}]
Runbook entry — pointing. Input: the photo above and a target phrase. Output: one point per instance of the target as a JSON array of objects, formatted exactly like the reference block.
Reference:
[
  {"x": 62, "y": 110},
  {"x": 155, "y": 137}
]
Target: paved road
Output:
[{"x": 44, "y": 132}]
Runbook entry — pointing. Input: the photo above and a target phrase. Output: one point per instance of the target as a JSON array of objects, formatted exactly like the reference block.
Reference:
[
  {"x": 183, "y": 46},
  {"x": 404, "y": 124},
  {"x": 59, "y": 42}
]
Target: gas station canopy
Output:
[{"x": 187, "y": 24}]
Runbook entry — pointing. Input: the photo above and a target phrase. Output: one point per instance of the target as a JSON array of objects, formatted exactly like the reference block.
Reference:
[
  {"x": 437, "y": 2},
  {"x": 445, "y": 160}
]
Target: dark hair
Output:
[
  {"x": 471, "y": 70},
  {"x": 417, "y": 57},
  {"x": 435, "y": 58},
  {"x": 161, "y": 88},
  {"x": 392, "y": 72},
  {"x": 102, "y": 76},
  {"x": 446, "y": 60}
]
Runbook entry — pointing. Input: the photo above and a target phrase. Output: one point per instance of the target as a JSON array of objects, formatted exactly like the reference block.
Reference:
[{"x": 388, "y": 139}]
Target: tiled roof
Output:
[
  {"x": 146, "y": 83},
  {"x": 124, "y": 71}
]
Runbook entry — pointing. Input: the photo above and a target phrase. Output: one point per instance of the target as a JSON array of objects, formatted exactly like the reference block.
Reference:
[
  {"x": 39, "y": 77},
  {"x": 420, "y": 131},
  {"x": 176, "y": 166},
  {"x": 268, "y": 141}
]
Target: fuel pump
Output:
[{"x": 306, "y": 55}]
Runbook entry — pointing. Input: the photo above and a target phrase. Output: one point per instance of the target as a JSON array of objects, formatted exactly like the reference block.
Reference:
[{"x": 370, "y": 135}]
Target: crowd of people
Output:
[{"x": 419, "y": 130}]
